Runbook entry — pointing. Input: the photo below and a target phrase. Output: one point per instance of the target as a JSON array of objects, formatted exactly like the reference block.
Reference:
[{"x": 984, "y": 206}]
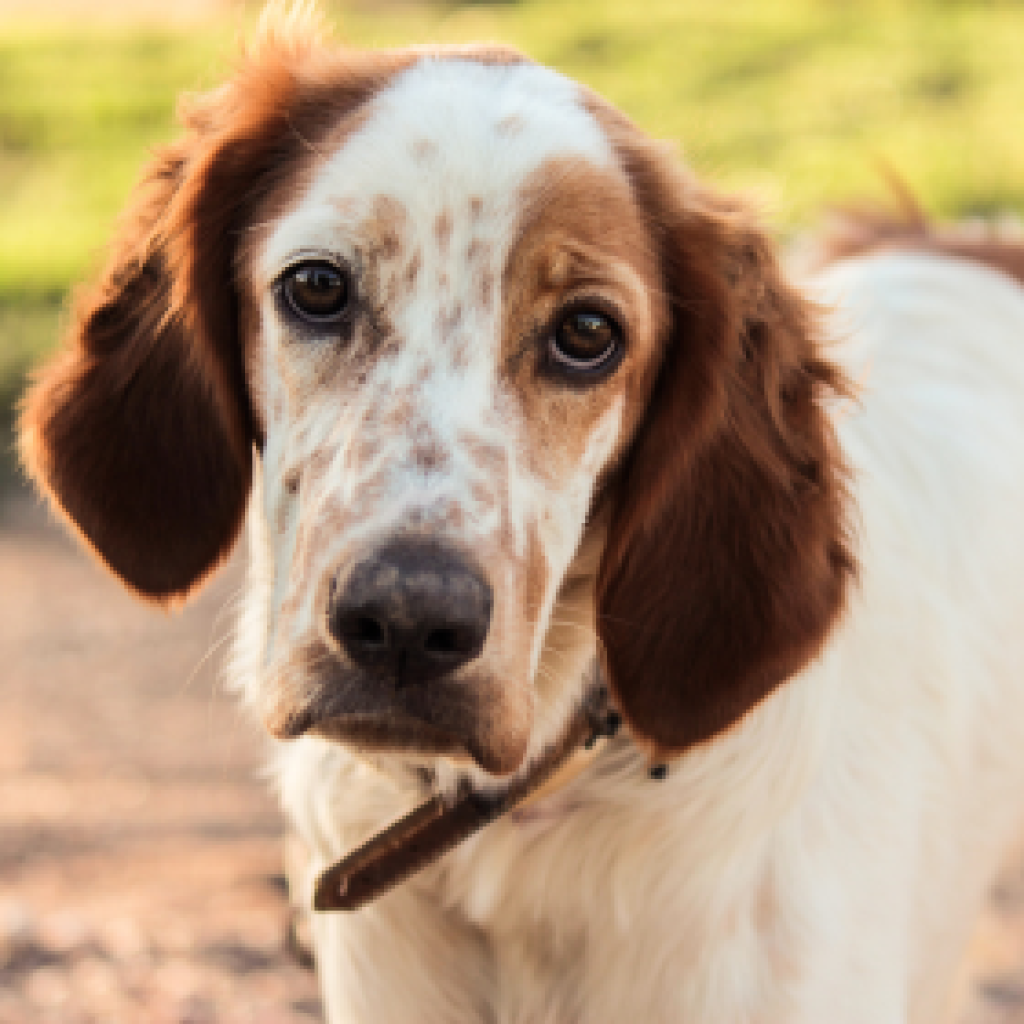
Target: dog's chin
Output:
[
  {"x": 405, "y": 736},
  {"x": 397, "y": 734}
]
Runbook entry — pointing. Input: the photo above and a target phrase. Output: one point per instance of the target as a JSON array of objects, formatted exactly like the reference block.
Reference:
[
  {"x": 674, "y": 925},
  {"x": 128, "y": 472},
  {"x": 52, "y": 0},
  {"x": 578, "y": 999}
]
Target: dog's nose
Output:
[{"x": 415, "y": 611}]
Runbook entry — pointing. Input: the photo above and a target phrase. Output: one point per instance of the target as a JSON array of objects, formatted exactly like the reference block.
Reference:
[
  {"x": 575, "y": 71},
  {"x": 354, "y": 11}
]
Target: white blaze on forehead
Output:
[
  {"x": 444, "y": 152},
  {"x": 444, "y": 131}
]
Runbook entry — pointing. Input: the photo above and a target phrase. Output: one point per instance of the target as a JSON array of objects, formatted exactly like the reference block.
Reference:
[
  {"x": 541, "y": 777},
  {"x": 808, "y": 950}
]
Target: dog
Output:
[{"x": 521, "y": 409}]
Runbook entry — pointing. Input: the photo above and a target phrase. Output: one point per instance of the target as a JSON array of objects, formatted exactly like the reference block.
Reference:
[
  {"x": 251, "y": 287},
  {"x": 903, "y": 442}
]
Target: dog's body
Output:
[
  {"x": 517, "y": 396},
  {"x": 825, "y": 859}
]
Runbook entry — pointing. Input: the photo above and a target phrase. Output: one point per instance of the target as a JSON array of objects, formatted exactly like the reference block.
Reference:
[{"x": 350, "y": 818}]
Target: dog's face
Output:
[
  {"x": 517, "y": 388},
  {"x": 451, "y": 321}
]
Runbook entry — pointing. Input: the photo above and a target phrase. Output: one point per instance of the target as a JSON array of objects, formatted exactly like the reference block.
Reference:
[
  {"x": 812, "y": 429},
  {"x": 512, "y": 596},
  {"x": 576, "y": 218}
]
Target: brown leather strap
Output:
[{"x": 432, "y": 829}]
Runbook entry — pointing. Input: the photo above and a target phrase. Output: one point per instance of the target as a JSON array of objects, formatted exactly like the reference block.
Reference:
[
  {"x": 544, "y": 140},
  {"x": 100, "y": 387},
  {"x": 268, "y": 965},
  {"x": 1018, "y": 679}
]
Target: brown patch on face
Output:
[
  {"x": 476, "y": 208},
  {"x": 582, "y": 238},
  {"x": 443, "y": 227},
  {"x": 510, "y": 126}
]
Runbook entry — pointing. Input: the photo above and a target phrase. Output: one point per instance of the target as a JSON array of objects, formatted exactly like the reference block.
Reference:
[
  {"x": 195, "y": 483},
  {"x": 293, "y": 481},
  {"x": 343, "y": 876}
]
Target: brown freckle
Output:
[
  {"x": 442, "y": 279},
  {"x": 366, "y": 452},
  {"x": 486, "y": 288},
  {"x": 335, "y": 517},
  {"x": 430, "y": 455},
  {"x": 388, "y": 218},
  {"x": 345, "y": 206},
  {"x": 448, "y": 320},
  {"x": 424, "y": 150},
  {"x": 460, "y": 355},
  {"x": 480, "y": 494},
  {"x": 455, "y": 516},
  {"x": 491, "y": 458},
  {"x": 443, "y": 227},
  {"x": 319, "y": 463},
  {"x": 511, "y": 125},
  {"x": 477, "y": 251},
  {"x": 281, "y": 519},
  {"x": 476, "y": 207},
  {"x": 390, "y": 245},
  {"x": 291, "y": 482},
  {"x": 413, "y": 269},
  {"x": 398, "y": 415},
  {"x": 506, "y": 536}
]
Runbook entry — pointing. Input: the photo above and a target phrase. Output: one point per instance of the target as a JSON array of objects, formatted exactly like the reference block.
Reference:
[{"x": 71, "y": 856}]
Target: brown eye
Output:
[
  {"x": 586, "y": 340},
  {"x": 316, "y": 291}
]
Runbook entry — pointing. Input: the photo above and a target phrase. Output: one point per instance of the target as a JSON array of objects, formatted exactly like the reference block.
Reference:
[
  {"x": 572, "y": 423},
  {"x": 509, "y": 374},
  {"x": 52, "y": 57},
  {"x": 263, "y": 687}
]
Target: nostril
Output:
[
  {"x": 362, "y": 634},
  {"x": 444, "y": 641},
  {"x": 369, "y": 633}
]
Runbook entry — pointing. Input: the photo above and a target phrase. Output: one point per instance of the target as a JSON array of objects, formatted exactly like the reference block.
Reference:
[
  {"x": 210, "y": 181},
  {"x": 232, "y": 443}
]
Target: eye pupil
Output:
[
  {"x": 316, "y": 290},
  {"x": 586, "y": 340}
]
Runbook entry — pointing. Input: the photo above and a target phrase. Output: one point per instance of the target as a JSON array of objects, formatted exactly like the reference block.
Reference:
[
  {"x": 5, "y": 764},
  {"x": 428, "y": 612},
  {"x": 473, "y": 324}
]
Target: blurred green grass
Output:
[{"x": 798, "y": 101}]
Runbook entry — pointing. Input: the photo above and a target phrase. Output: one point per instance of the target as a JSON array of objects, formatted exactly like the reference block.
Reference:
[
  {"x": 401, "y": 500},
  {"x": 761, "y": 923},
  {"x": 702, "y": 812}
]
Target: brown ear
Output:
[
  {"x": 727, "y": 560},
  {"x": 140, "y": 431}
]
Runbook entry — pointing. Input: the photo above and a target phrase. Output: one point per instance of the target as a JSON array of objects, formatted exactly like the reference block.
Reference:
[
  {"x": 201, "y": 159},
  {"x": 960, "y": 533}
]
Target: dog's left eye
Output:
[
  {"x": 316, "y": 290},
  {"x": 585, "y": 340}
]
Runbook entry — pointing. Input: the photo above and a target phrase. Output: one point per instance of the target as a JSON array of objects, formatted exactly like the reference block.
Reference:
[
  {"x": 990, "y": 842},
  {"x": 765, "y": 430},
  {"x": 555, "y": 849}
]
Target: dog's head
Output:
[{"x": 517, "y": 388}]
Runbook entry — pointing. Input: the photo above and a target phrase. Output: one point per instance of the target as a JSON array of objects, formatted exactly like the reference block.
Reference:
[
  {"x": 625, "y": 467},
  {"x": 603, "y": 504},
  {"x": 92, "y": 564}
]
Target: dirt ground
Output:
[
  {"x": 140, "y": 852},
  {"x": 140, "y": 855}
]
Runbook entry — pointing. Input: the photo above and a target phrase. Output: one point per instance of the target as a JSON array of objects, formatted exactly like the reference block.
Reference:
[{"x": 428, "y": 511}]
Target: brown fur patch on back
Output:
[{"x": 852, "y": 232}]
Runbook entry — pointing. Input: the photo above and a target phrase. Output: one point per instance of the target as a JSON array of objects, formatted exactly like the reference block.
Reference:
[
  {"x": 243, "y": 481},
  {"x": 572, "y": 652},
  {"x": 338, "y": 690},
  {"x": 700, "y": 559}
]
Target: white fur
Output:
[{"x": 820, "y": 863}]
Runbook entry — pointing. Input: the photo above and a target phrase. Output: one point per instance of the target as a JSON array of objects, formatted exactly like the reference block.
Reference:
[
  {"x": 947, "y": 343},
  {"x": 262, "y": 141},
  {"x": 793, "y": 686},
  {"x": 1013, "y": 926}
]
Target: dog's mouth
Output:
[
  {"x": 467, "y": 723},
  {"x": 397, "y": 733}
]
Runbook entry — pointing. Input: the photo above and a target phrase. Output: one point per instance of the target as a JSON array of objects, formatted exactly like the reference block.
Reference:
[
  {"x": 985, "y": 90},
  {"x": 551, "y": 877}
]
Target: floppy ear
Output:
[
  {"x": 727, "y": 559},
  {"x": 140, "y": 432}
]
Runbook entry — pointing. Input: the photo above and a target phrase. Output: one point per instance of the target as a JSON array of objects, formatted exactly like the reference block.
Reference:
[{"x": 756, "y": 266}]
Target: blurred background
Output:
[{"x": 139, "y": 851}]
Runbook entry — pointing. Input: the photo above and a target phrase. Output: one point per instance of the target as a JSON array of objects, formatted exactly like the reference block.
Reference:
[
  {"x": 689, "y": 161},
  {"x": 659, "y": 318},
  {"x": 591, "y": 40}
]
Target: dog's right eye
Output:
[{"x": 316, "y": 291}]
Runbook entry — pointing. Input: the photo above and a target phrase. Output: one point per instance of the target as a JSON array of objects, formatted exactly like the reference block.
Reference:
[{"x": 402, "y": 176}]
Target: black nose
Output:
[{"x": 415, "y": 611}]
